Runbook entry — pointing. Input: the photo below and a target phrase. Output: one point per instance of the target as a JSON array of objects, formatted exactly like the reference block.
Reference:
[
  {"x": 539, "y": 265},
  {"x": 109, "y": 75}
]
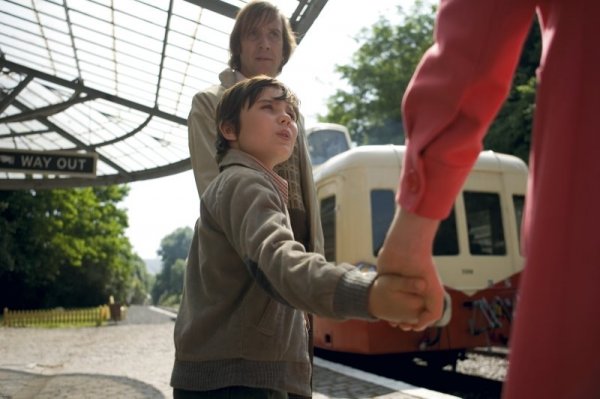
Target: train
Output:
[{"x": 477, "y": 248}]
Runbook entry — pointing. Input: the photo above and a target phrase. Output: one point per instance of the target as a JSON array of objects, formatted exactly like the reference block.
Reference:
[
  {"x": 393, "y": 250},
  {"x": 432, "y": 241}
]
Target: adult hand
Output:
[
  {"x": 397, "y": 299},
  {"x": 407, "y": 251}
]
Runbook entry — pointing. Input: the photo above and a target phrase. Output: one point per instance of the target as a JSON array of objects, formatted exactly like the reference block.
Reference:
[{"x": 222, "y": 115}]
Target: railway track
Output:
[{"x": 478, "y": 376}]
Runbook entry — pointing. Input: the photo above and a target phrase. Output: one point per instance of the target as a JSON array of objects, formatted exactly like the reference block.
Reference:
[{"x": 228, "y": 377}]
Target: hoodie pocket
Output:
[{"x": 272, "y": 318}]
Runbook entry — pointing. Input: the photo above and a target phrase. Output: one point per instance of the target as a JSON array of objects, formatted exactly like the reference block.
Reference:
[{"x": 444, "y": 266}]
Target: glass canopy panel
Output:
[{"x": 115, "y": 78}]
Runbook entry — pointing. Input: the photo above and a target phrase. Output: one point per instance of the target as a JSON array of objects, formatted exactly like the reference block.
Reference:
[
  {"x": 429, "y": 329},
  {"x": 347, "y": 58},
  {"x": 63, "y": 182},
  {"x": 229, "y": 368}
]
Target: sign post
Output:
[{"x": 72, "y": 163}]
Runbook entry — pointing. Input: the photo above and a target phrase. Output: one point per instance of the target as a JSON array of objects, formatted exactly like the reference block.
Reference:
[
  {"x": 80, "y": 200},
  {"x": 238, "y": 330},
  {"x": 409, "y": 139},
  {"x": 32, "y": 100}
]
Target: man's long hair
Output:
[{"x": 253, "y": 14}]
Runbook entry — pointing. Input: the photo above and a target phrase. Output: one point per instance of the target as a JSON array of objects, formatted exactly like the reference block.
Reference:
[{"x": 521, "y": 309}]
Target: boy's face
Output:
[
  {"x": 262, "y": 49},
  {"x": 268, "y": 129}
]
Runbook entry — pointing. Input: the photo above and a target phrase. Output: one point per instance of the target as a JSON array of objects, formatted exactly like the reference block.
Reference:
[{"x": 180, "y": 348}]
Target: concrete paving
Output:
[{"x": 133, "y": 359}]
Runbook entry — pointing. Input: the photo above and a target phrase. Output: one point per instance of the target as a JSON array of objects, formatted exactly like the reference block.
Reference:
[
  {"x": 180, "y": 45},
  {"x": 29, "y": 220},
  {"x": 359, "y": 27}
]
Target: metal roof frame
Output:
[{"x": 114, "y": 78}]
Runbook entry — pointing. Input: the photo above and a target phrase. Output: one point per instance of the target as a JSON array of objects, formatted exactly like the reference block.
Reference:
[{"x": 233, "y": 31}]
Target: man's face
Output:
[
  {"x": 268, "y": 129},
  {"x": 262, "y": 49}
]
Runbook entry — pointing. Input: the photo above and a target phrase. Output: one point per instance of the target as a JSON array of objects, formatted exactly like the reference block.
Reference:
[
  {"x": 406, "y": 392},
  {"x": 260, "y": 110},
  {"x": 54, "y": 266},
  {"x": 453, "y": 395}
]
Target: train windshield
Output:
[{"x": 324, "y": 144}]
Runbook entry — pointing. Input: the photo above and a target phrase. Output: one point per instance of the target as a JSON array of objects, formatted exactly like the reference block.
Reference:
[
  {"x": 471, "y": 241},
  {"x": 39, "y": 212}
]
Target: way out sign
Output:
[{"x": 49, "y": 162}]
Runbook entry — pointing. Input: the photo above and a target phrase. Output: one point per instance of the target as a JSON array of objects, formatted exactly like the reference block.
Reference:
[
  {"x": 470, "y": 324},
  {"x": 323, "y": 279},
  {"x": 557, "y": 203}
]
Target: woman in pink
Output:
[{"x": 454, "y": 95}]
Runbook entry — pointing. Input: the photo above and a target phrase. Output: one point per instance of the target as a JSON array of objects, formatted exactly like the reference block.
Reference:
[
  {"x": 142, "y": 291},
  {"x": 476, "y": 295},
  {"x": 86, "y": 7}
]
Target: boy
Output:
[{"x": 240, "y": 331}]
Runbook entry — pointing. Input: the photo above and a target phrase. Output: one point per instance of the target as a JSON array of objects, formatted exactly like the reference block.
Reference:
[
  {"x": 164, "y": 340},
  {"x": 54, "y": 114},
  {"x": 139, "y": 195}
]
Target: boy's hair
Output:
[
  {"x": 243, "y": 95},
  {"x": 253, "y": 14}
]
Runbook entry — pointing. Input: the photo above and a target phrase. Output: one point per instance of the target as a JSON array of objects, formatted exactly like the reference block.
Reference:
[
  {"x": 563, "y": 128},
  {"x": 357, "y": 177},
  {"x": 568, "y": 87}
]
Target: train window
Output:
[
  {"x": 519, "y": 204},
  {"x": 324, "y": 144},
  {"x": 446, "y": 240},
  {"x": 484, "y": 223},
  {"x": 383, "y": 206},
  {"x": 328, "y": 223},
  {"x": 382, "y": 212}
]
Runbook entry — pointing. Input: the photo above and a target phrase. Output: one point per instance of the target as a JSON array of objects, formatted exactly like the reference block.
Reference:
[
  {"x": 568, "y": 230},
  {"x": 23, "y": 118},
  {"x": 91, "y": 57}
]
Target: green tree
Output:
[
  {"x": 378, "y": 76},
  {"x": 64, "y": 247},
  {"x": 175, "y": 245},
  {"x": 141, "y": 285},
  {"x": 511, "y": 131},
  {"x": 382, "y": 67},
  {"x": 173, "y": 252}
]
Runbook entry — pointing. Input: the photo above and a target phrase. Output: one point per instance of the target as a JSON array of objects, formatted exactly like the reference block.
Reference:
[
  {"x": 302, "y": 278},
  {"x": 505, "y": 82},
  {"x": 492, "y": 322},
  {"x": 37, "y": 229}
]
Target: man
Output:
[{"x": 261, "y": 42}]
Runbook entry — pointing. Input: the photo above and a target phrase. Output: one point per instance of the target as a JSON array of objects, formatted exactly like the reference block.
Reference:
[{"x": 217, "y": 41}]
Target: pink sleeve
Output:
[{"x": 454, "y": 95}]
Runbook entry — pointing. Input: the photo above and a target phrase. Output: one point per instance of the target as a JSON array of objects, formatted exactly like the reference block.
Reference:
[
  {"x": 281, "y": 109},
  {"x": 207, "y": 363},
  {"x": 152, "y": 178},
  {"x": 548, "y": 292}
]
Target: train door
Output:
[
  {"x": 515, "y": 183},
  {"x": 327, "y": 195},
  {"x": 343, "y": 219}
]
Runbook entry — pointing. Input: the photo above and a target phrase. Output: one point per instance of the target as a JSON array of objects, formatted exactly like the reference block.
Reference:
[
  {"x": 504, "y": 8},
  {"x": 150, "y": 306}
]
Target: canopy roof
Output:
[{"x": 110, "y": 80}]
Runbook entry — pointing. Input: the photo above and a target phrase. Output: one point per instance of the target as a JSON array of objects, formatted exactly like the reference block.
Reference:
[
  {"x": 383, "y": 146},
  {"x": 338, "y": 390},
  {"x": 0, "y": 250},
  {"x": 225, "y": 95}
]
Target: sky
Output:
[{"x": 158, "y": 207}]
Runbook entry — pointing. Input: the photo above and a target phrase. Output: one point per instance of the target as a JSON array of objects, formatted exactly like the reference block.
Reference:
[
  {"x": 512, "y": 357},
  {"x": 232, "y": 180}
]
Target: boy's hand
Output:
[
  {"x": 397, "y": 299},
  {"x": 433, "y": 293}
]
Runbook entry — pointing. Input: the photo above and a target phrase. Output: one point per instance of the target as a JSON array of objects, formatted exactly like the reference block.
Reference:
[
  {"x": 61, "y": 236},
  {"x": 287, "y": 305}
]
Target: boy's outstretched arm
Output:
[{"x": 407, "y": 251}]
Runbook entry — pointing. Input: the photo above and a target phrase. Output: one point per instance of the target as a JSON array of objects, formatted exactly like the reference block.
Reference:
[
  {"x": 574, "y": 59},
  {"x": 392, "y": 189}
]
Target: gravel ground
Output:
[
  {"x": 132, "y": 359},
  {"x": 51, "y": 361},
  {"x": 126, "y": 360},
  {"x": 492, "y": 366}
]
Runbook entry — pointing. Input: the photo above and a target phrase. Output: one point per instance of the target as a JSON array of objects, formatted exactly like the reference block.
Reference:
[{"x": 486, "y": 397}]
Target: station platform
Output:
[{"x": 133, "y": 359}]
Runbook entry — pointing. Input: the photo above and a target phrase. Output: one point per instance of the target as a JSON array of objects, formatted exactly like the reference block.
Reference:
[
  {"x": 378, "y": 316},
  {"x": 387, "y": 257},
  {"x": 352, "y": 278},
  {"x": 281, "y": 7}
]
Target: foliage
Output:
[
  {"x": 169, "y": 281},
  {"x": 141, "y": 285},
  {"x": 383, "y": 66},
  {"x": 378, "y": 76},
  {"x": 64, "y": 247},
  {"x": 175, "y": 245},
  {"x": 511, "y": 131}
]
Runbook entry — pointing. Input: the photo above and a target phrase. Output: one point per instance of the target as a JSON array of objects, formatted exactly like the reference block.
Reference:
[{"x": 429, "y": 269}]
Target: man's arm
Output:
[
  {"x": 202, "y": 134},
  {"x": 309, "y": 192}
]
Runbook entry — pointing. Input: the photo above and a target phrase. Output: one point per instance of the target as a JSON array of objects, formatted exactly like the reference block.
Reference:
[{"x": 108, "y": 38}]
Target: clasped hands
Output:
[
  {"x": 410, "y": 303},
  {"x": 408, "y": 291}
]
